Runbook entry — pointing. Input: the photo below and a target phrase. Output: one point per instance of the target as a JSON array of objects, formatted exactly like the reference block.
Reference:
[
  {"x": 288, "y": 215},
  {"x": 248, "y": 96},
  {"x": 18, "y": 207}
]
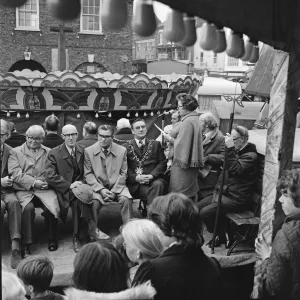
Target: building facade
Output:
[{"x": 27, "y": 40}]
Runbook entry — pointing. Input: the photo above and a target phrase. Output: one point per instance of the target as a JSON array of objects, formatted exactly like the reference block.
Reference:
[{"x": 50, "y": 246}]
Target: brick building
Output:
[{"x": 27, "y": 29}]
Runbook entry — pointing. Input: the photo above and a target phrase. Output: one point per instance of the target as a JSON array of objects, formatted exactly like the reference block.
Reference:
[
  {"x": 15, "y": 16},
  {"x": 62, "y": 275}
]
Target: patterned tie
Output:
[
  {"x": 142, "y": 147},
  {"x": 73, "y": 153},
  {"x": 105, "y": 151}
]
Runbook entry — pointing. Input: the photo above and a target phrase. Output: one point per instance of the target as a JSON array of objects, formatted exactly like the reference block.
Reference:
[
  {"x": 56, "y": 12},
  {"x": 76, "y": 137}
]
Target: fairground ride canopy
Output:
[{"x": 58, "y": 91}]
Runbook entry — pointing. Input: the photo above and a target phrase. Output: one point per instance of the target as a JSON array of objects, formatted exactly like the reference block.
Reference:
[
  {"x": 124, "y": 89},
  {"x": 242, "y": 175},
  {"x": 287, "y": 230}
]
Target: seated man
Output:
[
  {"x": 105, "y": 170},
  {"x": 64, "y": 170},
  {"x": 239, "y": 181},
  {"x": 52, "y": 139},
  {"x": 89, "y": 133},
  {"x": 27, "y": 166},
  {"x": 146, "y": 165},
  {"x": 123, "y": 134},
  {"x": 9, "y": 200}
]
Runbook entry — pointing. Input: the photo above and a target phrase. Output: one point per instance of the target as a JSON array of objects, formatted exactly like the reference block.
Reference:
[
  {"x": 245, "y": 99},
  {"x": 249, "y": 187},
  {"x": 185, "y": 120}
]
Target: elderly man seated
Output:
[
  {"x": 27, "y": 166},
  {"x": 239, "y": 181}
]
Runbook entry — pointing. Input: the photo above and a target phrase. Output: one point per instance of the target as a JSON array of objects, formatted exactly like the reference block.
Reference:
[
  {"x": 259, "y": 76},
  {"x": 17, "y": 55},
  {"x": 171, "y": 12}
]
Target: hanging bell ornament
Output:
[
  {"x": 248, "y": 50},
  {"x": 221, "y": 40},
  {"x": 255, "y": 53},
  {"x": 235, "y": 45},
  {"x": 151, "y": 114},
  {"x": 190, "y": 34},
  {"x": 144, "y": 20},
  {"x": 64, "y": 10},
  {"x": 145, "y": 114},
  {"x": 128, "y": 115},
  {"x": 208, "y": 37},
  {"x": 109, "y": 115},
  {"x": 174, "y": 27},
  {"x": 78, "y": 116},
  {"x": 27, "y": 116},
  {"x": 114, "y": 14},
  {"x": 8, "y": 114},
  {"x": 136, "y": 114},
  {"x": 12, "y": 3},
  {"x": 158, "y": 112},
  {"x": 18, "y": 115},
  {"x": 96, "y": 115}
]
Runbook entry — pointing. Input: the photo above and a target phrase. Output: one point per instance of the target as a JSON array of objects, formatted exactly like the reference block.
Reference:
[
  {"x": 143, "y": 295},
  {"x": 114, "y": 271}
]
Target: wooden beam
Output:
[{"x": 280, "y": 142}]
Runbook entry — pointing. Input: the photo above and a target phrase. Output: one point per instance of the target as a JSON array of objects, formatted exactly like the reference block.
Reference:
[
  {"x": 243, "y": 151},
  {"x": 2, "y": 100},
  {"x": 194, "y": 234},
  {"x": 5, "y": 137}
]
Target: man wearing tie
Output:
[
  {"x": 146, "y": 164},
  {"x": 64, "y": 171}
]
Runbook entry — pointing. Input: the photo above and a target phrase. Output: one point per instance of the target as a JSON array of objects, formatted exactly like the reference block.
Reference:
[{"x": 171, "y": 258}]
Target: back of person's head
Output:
[
  {"x": 177, "y": 216},
  {"x": 51, "y": 123},
  {"x": 290, "y": 180},
  {"x": 143, "y": 236},
  {"x": 11, "y": 126},
  {"x": 208, "y": 120},
  {"x": 12, "y": 288},
  {"x": 99, "y": 267},
  {"x": 36, "y": 271},
  {"x": 188, "y": 101},
  {"x": 90, "y": 128},
  {"x": 123, "y": 123}
]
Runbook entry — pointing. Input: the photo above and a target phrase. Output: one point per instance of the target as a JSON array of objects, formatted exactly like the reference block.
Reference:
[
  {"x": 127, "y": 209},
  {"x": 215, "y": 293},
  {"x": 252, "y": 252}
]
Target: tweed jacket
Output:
[{"x": 109, "y": 171}]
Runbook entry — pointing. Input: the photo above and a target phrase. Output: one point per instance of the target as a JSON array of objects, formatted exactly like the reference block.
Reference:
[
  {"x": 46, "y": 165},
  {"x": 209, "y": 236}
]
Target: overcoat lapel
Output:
[
  {"x": 4, "y": 158},
  {"x": 66, "y": 155}
]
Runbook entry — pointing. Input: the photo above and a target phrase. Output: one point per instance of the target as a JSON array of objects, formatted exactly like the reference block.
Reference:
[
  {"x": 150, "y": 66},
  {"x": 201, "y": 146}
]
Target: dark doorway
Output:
[{"x": 27, "y": 64}]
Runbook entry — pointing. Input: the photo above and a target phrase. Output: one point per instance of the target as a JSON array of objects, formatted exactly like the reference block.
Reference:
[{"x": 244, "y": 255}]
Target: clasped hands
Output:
[
  {"x": 144, "y": 179},
  {"x": 107, "y": 195},
  {"x": 41, "y": 185}
]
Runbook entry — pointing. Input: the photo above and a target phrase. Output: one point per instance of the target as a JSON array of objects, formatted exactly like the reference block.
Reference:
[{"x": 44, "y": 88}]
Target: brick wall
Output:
[{"x": 107, "y": 48}]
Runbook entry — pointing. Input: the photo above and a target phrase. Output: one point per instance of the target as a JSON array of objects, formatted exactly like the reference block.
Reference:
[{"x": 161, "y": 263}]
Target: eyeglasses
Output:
[
  {"x": 104, "y": 137},
  {"x": 37, "y": 139},
  {"x": 3, "y": 134},
  {"x": 70, "y": 135}
]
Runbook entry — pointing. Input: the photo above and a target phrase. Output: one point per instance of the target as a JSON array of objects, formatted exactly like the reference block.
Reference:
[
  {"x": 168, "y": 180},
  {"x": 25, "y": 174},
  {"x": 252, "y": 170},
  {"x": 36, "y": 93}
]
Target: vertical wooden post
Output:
[{"x": 280, "y": 142}]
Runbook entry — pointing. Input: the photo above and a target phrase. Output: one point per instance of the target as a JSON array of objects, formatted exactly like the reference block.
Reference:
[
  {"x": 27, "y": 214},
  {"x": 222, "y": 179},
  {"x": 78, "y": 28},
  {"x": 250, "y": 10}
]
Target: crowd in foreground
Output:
[{"x": 176, "y": 186}]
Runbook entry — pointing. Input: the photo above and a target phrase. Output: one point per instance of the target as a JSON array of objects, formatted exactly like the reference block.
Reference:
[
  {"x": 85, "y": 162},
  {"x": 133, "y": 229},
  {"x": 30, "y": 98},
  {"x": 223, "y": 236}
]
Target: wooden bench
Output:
[{"x": 246, "y": 224}]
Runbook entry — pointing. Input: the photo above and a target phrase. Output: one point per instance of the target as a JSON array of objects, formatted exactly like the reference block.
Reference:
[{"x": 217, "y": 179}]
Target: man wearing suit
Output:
[
  {"x": 9, "y": 200},
  {"x": 146, "y": 165},
  {"x": 89, "y": 133},
  {"x": 27, "y": 166},
  {"x": 105, "y": 170},
  {"x": 52, "y": 139},
  {"x": 64, "y": 169},
  {"x": 15, "y": 139}
]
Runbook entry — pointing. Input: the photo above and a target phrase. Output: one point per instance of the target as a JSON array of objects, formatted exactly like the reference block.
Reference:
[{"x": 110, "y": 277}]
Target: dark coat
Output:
[
  {"x": 52, "y": 140},
  {"x": 241, "y": 173},
  {"x": 155, "y": 164},
  {"x": 4, "y": 168},
  {"x": 283, "y": 266},
  {"x": 124, "y": 135},
  {"x": 59, "y": 173},
  {"x": 88, "y": 140},
  {"x": 16, "y": 139},
  {"x": 176, "y": 275}
]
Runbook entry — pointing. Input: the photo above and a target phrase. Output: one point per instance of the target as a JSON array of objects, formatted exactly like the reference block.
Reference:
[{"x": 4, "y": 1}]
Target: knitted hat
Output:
[{"x": 84, "y": 193}]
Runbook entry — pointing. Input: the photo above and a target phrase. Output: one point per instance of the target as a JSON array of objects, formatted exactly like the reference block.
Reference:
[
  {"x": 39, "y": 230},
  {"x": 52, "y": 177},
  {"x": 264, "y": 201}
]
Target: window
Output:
[
  {"x": 201, "y": 57},
  {"x": 28, "y": 16},
  {"x": 232, "y": 62},
  {"x": 160, "y": 37},
  {"x": 90, "y": 20},
  {"x": 215, "y": 58}
]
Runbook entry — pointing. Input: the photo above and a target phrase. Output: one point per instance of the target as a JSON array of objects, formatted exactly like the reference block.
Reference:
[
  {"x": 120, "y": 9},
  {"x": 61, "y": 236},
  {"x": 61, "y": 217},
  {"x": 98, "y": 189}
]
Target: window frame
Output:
[
  {"x": 26, "y": 28},
  {"x": 82, "y": 31}
]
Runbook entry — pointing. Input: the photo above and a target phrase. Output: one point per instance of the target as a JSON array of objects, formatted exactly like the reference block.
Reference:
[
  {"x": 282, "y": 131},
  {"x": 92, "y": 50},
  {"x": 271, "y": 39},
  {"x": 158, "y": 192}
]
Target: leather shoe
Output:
[
  {"x": 52, "y": 246},
  {"x": 217, "y": 242},
  {"x": 25, "y": 252},
  {"x": 15, "y": 258},
  {"x": 95, "y": 233},
  {"x": 76, "y": 244}
]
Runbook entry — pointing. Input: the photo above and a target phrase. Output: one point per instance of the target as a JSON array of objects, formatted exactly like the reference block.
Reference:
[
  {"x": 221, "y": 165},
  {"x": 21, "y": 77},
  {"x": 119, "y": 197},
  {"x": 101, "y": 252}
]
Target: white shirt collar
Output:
[{"x": 138, "y": 142}]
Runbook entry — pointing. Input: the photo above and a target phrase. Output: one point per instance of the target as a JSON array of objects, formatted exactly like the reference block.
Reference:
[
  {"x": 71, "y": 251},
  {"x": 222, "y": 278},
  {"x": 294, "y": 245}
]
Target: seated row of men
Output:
[{"x": 36, "y": 176}]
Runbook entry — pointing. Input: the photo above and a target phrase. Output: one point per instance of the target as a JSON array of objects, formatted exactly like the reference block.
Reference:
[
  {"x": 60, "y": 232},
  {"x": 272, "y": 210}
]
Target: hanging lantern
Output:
[
  {"x": 174, "y": 26},
  {"x": 136, "y": 114},
  {"x": 255, "y": 53},
  {"x": 18, "y": 115},
  {"x": 128, "y": 115},
  {"x": 144, "y": 20},
  {"x": 12, "y": 3},
  {"x": 235, "y": 45},
  {"x": 190, "y": 34},
  {"x": 114, "y": 14},
  {"x": 65, "y": 10},
  {"x": 151, "y": 114},
  {"x": 109, "y": 115},
  {"x": 96, "y": 115},
  {"x": 208, "y": 37},
  {"x": 248, "y": 50},
  {"x": 27, "y": 116},
  {"x": 78, "y": 116},
  {"x": 8, "y": 114},
  {"x": 145, "y": 114},
  {"x": 221, "y": 40}
]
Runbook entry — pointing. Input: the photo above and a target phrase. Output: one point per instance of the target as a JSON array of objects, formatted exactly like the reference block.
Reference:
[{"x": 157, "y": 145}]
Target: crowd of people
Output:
[{"x": 161, "y": 255}]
